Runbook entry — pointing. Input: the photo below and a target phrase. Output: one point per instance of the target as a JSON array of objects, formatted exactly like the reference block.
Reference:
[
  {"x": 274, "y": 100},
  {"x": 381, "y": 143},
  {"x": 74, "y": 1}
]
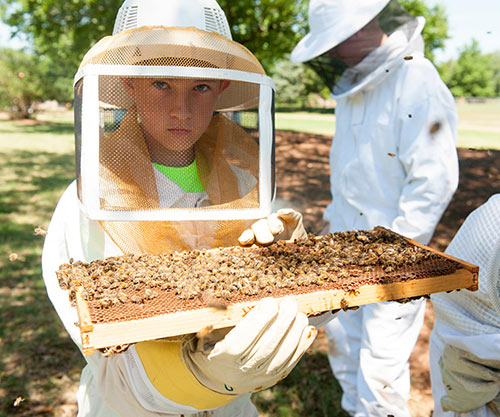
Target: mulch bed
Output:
[{"x": 302, "y": 176}]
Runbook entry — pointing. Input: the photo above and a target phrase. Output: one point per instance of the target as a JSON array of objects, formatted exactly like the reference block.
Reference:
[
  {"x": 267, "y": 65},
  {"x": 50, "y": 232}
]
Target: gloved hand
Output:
[
  {"x": 470, "y": 382},
  {"x": 256, "y": 354},
  {"x": 285, "y": 224},
  {"x": 319, "y": 320}
]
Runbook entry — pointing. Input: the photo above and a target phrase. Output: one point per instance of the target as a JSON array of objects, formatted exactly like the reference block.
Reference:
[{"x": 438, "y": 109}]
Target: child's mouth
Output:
[{"x": 179, "y": 131}]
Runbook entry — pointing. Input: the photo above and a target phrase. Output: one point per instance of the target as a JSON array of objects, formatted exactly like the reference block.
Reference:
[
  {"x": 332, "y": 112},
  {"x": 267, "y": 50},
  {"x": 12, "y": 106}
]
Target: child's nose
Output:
[{"x": 180, "y": 107}]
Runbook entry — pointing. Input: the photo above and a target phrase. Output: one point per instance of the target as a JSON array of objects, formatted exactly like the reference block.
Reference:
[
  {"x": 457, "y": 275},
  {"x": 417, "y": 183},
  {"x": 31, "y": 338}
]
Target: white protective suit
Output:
[
  {"x": 72, "y": 235},
  {"x": 467, "y": 324},
  {"x": 393, "y": 163}
]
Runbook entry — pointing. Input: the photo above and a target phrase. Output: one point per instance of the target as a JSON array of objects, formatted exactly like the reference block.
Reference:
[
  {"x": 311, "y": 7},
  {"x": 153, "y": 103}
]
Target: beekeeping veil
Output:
[
  {"x": 174, "y": 129},
  {"x": 343, "y": 45}
]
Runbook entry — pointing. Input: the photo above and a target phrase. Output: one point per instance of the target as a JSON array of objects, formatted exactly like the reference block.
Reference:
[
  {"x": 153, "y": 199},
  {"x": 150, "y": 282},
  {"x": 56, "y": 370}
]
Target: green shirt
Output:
[{"x": 185, "y": 177}]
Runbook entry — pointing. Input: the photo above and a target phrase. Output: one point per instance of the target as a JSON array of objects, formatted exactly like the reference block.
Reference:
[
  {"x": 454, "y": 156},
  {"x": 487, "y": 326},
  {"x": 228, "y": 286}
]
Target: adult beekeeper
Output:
[
  {"x": 174, "y": 136},
  {"x": 393, "y": 163},
  {"x": 465, "y": 339}
]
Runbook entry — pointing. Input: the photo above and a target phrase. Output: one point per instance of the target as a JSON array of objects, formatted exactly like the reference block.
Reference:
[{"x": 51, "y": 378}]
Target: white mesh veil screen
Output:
[
  {"x": 170, "y": 148},
  {"x": 175, "y": 138}
]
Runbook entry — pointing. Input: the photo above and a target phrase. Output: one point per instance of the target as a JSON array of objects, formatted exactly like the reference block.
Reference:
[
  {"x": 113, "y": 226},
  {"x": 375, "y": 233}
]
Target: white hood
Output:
[{"x": 405, "y": 41}]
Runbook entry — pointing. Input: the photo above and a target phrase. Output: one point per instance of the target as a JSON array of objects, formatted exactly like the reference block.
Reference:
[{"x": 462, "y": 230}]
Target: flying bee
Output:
[
  {"x": 18, "y": 401},
  {"x": 39, "y": 231}
]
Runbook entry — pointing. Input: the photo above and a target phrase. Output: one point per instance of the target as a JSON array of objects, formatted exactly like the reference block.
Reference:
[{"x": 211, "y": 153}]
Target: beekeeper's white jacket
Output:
[
  {"x": 393, "y": 163},
  {"x": 72, "y": 235},
  {"x": 466, "y": 333}
]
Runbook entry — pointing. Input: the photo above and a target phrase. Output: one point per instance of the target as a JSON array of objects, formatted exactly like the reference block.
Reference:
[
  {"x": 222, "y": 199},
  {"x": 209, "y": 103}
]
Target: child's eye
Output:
[
  {"x": 160, "y": 85},
  {"x": 202, "y": 88}
]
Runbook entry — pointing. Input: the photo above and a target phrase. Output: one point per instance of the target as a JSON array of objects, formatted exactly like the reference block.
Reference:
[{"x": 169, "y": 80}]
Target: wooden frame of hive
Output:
[{"x": 102, "y": 335}]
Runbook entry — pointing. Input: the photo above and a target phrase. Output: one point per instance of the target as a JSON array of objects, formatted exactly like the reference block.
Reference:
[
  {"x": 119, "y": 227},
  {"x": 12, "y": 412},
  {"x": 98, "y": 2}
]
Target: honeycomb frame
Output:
[{"x": 167, "y": 314}]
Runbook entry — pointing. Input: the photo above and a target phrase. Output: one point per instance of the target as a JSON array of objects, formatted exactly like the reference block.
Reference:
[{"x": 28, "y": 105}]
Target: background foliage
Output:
[{"x": 62, "y": 31}]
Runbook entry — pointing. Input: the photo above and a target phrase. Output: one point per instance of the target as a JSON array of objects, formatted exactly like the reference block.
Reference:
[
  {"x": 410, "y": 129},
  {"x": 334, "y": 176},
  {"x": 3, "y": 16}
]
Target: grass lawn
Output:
[
  {"x": 478, "y": 128},
  {"x": 38, "y": 362},
  {"x": 317, "y": 123}
]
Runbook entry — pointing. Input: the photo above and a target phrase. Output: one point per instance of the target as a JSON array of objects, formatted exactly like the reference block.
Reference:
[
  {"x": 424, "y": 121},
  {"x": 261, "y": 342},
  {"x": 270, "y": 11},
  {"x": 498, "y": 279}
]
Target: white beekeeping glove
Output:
[
  {"x": 470, "y": 382},
  {"x": 285, "y": 224},
  {"x": 256, "y": 354},
  {"x": 319, "y": 320}
]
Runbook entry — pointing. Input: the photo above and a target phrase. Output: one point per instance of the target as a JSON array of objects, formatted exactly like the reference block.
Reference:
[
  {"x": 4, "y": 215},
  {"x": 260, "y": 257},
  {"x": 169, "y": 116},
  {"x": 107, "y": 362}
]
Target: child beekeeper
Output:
[{"x": 174, "y": 146}]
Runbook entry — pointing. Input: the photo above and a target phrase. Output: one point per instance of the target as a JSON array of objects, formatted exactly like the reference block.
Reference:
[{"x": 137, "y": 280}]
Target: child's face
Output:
[{"x": 174, "y": 113}]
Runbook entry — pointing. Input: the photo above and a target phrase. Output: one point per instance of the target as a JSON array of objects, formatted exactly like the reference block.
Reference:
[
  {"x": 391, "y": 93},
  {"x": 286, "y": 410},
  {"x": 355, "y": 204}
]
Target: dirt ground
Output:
[{"x": 302, "y": 173}]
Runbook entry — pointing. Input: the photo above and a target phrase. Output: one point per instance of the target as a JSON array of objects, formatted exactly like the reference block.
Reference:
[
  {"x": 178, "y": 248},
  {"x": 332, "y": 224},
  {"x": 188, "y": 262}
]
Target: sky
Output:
[
  {"x": 467, "y": 19},
  {"x": 5, "y": 40}
]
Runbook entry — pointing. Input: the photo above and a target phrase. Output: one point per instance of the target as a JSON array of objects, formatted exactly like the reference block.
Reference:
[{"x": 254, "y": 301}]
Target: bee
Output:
[
  {"x": 344, "y": 305},
  {"x": 392, "y": 155},
  {"x": 352, "y": 291},
  {"x": 122, "y": 297},
  {"x": 105, "y": 302},
  {"x": 204, "y": 332},
  {"x": 39, "y": 231},
  {"x": 108, "y": 351},
  {"x": 18, "y": 401},
  {"x": 408, "y": 58}
]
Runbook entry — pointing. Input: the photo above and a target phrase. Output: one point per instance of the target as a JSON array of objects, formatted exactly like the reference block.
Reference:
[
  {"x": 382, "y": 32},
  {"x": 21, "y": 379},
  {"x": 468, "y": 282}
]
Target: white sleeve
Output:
[
  {"x": 428, "y": 133},
  {"x": 72, "y": 235},
  {"x": 464, "y": 317},
  {"x": 58, "y": 248}
]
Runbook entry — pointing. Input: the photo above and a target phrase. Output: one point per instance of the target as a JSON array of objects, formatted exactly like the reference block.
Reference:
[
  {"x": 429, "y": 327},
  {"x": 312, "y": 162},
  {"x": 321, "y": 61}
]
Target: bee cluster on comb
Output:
[
  {"x": 229, "y": 272},
  {"x": 129, "y": 298}
]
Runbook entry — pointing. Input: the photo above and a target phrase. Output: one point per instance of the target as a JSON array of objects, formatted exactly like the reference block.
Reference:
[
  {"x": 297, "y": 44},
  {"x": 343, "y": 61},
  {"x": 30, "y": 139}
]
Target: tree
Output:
[
  {"x": 20, "y": 84},
  {"x": 291, "y": 92},
  {"x": 494, "y": 58},
  {"x": 27, "y": 79},
  {"x": 61, "y": 30},
  {"x": 471, "y": 75},
  {"x": 269, "y": 28},
  {"x": 65, "y": 30},
  {"x": 435, "y": 31}
]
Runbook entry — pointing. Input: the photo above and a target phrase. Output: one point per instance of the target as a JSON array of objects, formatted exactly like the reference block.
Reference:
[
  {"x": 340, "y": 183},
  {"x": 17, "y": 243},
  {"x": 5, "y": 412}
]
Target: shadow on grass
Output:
[
  {"x": 284, "y": 109},
  {"x": 39, "y": 127},
  {"x": 36, "y": 356},
  {"x": 310, "y": 390}
]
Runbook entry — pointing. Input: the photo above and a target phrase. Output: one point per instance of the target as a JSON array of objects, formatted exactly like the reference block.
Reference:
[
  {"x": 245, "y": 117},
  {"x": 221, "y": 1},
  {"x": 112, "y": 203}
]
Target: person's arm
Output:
[
  {"x": 209, "y": 371},
  {"x": 427, "y": 150},
  {"x": 466, "y": 332},
  {"x": 163, "y": 378},
  {"x": 71, "y": 236}
]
